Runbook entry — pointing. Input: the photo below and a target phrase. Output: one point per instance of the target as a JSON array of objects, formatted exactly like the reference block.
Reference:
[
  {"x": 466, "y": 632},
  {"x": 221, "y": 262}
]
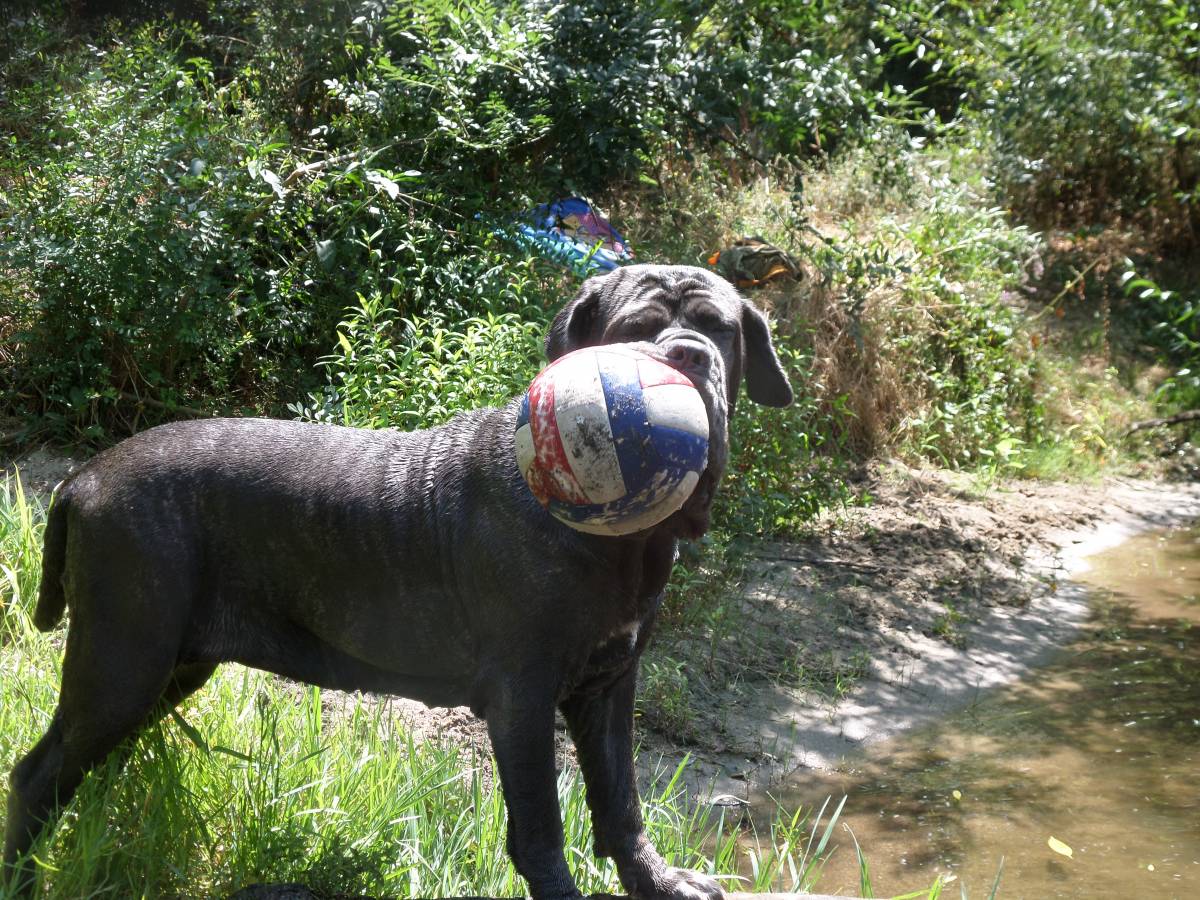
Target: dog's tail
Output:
[{"x": 52, "y": 599}]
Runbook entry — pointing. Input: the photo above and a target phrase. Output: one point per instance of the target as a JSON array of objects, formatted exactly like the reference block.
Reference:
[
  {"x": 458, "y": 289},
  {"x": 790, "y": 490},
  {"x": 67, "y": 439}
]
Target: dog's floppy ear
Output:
[
  {"x": 766, "y": 382},
  {"x": 573, "y": 327}
]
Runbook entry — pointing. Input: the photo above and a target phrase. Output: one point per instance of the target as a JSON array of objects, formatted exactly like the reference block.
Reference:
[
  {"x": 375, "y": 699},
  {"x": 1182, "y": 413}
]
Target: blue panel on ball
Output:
[
  {"x": 627, "y": 507},
  {"x": 523, "y": 413},
  {"x": 679, "y": 448},
  {"x": 581, "y": 512},
  {"x": 627, "y": 418}
]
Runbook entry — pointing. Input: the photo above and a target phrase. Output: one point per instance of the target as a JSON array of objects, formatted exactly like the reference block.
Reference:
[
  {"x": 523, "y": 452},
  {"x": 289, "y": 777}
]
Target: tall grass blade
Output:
[
  {"x": 996, "y": 881},
  {"x": 864, "y": 869}
]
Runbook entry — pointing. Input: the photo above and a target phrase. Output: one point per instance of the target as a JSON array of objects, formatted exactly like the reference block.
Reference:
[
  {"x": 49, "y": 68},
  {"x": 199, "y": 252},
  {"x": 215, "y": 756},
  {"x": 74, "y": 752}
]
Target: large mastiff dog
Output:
[{"x": 407, "y": 563}]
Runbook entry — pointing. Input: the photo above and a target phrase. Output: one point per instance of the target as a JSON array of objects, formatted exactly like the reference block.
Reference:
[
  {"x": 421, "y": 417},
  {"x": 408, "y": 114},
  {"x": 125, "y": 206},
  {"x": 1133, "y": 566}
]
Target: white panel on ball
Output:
[
  {"x": 582, "y": 416},
  {"x": 523, "y": 439},
  {"x": 676, "y": 406}
]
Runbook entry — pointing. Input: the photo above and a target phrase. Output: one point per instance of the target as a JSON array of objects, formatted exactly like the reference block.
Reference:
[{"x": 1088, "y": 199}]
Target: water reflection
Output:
[{"x": 1099, "y": 750}]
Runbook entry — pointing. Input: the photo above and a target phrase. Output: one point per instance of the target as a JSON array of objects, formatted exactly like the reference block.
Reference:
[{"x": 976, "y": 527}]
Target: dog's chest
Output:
[
  {"x": 620, "y": 641},
  {"x": 611, "y": 657},
  {"x": 621, "y": 617}
]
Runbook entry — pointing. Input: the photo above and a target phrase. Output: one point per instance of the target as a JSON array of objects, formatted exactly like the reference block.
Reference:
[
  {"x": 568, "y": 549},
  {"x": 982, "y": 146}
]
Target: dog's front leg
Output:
[
  {"x": 520, "y": 722},
  {"x": 602, "y": 727}
]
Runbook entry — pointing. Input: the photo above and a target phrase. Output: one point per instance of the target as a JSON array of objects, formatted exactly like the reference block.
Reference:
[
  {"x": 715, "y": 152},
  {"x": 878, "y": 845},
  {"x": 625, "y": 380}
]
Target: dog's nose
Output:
[{"x": 688, "y": 356}]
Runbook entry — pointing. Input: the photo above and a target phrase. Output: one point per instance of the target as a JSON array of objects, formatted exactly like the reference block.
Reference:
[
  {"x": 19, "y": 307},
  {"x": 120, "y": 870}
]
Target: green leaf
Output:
[
  {"x": 1059, "y": 847},
  {"x": 326, "y": 251},
  {"x": 273, "y": 180}
]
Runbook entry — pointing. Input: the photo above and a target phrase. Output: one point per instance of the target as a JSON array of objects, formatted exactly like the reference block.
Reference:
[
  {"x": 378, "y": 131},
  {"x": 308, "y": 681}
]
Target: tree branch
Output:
[{"x": 1190, "y": 415}]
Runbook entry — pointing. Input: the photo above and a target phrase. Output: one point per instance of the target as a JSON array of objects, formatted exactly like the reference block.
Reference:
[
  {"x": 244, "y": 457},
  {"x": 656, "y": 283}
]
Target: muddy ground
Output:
[
  {"x": 886, "y": 616},
  {"x": 893, "y": 614}
]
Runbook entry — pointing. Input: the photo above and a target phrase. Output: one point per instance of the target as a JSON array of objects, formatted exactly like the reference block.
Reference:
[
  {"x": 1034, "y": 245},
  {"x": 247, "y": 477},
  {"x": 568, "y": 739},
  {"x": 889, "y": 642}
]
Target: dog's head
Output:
[{"x": 696, "y": 322}]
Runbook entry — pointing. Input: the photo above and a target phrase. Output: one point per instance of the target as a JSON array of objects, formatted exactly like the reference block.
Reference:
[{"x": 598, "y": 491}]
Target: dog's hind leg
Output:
[{"x": 112, "y": 685}]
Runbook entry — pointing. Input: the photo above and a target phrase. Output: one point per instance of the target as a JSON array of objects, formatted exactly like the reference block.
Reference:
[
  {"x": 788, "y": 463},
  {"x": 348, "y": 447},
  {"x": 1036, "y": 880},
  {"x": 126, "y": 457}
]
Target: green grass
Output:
[{"x": 256, "y": 779}]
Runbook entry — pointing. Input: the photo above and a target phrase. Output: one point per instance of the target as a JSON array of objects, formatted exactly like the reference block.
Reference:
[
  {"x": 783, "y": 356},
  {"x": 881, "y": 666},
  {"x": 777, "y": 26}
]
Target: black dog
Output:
[{"x": 407, "y": 563}]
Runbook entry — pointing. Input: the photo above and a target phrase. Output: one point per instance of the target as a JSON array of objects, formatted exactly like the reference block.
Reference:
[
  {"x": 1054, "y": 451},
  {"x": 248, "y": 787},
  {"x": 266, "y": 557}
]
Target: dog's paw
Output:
[
  {"x": 647, "y": 876},
  {"x": 684, "y": 884}
]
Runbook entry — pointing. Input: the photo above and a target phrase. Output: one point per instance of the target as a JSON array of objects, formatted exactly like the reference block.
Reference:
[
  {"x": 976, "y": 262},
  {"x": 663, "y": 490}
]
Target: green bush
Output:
[
  {"x": 1170, "y": 321},
  {"x": 390, "y": 372},
  {"x": 973, "y": 365},
  {"x": 196, "y": 208},
  {"x": 294, "y": 201},
  {"x": 775, "y": 79},
  {"x": 1092, "y": 118},
  {"x": 781, "y": 473},
  {"x": 914, "y": 324},
  {"x": 171, "y": 247},
  {"x": 126, "y": 238}
]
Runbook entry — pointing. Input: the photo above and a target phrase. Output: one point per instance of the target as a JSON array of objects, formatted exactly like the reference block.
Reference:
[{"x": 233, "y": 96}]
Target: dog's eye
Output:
[
  {"x": 711, "y": 322},
  {"x": 642, "y": 326}
]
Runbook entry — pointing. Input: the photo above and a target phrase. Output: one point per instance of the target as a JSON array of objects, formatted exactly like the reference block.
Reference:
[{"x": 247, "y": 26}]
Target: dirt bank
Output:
[{"x": 897, "y": 612}]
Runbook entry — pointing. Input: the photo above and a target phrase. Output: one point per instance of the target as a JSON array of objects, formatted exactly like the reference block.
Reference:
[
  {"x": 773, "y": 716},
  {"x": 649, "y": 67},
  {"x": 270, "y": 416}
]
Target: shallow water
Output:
[{"x": 1100, "y": 750}]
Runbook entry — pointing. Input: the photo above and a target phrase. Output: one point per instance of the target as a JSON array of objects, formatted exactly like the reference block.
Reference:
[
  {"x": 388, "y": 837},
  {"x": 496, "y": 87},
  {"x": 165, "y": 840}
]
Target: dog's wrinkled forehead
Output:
[
  {"x": 667, "y": 282},
  {"x": 670, "y": 286}
]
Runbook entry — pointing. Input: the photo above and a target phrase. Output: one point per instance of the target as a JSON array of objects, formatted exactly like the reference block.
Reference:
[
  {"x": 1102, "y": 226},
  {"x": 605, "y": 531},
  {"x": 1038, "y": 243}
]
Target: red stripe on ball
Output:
[{"x": 551, "y": 475}]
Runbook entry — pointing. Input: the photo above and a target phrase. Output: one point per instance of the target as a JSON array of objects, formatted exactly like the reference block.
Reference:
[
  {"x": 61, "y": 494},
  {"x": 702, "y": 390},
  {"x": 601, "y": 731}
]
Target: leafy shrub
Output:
[
  {"x": 194, "y": 209},
  {"x": 173, "y": 249},
  {"x": 972, "y": 367},
  {"x": 1170, "y": 320},
  {"x": 1090, "y": 119},
  {"x": 209, "y": 202},
  {"x": 776, "y": 79},
  {"x": 902, "y": 337},
  {"x": 391, "y": 372},
  {"x": 131, "y": 242}
]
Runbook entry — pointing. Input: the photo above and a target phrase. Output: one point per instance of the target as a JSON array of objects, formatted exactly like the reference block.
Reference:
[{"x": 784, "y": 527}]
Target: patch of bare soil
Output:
[
  {"x": 895, "y": 613},
  {"x": 40, "y": 470}
]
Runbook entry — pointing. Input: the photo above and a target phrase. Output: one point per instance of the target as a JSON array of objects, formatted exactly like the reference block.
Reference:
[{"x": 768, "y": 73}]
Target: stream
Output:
[{"x": 1099, "y": 751}]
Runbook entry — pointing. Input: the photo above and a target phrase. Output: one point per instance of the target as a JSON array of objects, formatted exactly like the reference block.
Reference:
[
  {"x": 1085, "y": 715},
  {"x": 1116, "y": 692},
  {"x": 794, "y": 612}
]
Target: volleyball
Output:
[{"x": 610, "y": 440}]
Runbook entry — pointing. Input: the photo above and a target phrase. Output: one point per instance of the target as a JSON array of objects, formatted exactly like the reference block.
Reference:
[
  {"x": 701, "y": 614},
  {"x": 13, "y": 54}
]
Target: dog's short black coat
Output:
[{"x": 407, "y": 563}]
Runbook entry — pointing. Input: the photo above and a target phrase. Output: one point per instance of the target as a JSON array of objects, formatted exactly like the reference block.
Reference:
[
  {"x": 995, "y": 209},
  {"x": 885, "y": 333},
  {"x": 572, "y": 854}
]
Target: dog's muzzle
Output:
[{"x": 697, "y": 357}]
